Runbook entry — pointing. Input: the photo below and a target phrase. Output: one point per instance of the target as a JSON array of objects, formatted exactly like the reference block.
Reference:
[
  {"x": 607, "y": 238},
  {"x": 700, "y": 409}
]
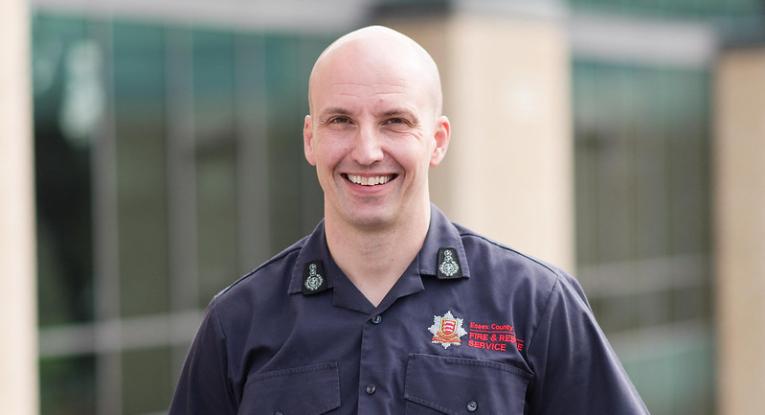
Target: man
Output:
[{"x": 387, "y": 307}]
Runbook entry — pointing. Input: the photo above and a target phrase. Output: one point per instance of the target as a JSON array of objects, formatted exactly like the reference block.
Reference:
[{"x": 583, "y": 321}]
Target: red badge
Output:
[{"x": 493, "y": 336}]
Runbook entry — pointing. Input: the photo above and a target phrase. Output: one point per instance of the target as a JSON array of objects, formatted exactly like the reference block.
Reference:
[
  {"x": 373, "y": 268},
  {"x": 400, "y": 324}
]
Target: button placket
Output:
[{"x": 367, "y": 377}]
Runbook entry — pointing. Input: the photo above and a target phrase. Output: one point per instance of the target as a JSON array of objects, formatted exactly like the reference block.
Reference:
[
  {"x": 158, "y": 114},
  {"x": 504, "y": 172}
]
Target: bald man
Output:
[{"x": 387, "y": 307}]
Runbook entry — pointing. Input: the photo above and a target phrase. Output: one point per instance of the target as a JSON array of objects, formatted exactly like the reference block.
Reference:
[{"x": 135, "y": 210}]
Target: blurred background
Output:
[{"x": 619, "y": 139}]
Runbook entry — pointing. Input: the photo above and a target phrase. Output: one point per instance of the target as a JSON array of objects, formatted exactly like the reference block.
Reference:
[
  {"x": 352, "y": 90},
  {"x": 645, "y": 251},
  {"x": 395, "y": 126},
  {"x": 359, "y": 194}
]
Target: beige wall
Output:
[
  {"x": 509, "y": 171},
  {"x": 18, "y": 320},
  {"x": 739, "y": 183}
]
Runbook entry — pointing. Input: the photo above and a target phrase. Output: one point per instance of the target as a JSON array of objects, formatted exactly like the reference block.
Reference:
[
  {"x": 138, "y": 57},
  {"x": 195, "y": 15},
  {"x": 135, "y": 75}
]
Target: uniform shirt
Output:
[{"x": 470, "y": 327}]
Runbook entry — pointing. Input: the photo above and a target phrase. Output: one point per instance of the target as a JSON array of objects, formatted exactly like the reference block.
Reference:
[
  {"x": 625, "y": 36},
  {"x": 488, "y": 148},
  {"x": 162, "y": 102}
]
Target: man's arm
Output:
[
  {"x": 204, "y": 387},
  {"x": 577, "y": 371}
]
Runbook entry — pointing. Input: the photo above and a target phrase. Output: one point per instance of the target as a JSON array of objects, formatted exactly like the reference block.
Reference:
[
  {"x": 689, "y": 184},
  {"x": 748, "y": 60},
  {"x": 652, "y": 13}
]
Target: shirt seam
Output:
[
  {"x": 546, "y": 309},
  {"x": 224, "y": 354},
  {"x": 461, "y": 361},
  {"x": 506, "y": 248},
  {"x": 427, "y": 403},
  {"x": 316, "y": 367},
  {"x": 274, "y": 259}
]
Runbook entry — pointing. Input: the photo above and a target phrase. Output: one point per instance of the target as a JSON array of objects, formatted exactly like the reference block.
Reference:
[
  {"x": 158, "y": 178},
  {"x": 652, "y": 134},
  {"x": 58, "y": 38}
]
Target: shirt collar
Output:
[
  {"x": 442, "y": 255},
  {"x": 314, "y": 250},
  {"x": 442, "y": 235}
]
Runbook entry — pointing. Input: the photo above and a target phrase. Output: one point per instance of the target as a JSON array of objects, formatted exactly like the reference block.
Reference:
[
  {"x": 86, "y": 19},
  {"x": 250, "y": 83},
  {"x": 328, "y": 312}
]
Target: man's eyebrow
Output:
[
  {"x": 400, "y": 112},
  {"x": 397, "y": 111},
  {"x": 335, "y": 111}
]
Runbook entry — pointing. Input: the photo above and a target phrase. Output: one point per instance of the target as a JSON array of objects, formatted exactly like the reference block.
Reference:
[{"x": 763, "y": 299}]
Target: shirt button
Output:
[
  {"x": 371, "y": 388},
  {"x": 472, "y": 406},
  {"x": 377, "y": 319}
]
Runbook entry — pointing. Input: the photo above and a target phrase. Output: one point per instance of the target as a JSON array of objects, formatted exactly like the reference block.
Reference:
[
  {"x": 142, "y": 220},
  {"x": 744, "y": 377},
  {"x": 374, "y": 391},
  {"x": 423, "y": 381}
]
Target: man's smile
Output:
[{"x": 369, "y": 180}]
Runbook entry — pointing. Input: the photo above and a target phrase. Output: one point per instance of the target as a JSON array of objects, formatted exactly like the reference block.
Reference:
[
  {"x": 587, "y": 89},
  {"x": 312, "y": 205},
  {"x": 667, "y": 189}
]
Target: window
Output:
[
  {"x": 169, "y": 163},
  {"x": 642, "y": 212}
]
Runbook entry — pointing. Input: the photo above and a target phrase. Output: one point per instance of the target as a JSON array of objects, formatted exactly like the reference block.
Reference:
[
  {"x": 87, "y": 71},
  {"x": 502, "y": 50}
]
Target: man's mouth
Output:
[{"x": 369, "y": 180}]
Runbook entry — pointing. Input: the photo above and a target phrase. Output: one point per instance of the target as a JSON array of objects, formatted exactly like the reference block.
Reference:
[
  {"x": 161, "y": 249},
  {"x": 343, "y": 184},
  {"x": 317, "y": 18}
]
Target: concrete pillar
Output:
[
  {"x": 509, "y": 170},
  {"x": 18, "y": 312},
  {"x": 739, "y": 185}
]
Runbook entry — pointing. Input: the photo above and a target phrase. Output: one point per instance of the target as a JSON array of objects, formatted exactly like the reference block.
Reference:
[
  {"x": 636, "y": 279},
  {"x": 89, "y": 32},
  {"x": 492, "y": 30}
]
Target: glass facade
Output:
[
  {"x": 643, "y": 224},
  {"x": 713, "y": 9},
  {"x": 138, "y": 77},
  {"x": 156, "y": 144},
  {"x": 63, "y": 172},
  {"x": 63, "y": 64}
]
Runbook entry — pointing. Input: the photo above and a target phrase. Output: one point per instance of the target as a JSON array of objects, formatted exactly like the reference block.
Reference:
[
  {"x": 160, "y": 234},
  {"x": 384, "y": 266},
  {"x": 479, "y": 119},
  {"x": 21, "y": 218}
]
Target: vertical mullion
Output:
[
  {"x": 106, "y": 243},
  {"x": 252, "y": 160},
  {"x": 181, "y": 171}
]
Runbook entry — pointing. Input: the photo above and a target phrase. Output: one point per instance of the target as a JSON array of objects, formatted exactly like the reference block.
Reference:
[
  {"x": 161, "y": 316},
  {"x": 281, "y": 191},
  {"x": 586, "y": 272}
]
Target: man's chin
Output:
[{"x": 371, "y": 220}]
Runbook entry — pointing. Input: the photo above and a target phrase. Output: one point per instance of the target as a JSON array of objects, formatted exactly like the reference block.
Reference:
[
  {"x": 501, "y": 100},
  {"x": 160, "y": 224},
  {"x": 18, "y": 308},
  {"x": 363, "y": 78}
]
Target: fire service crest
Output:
[{"x": 447, "y": 330}]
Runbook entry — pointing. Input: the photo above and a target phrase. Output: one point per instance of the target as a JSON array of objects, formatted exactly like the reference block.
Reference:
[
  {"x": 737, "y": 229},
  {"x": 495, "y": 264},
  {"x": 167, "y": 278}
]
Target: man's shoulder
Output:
[
  {"x": 532, "y": 284},
  {"x": 272, "y": 274},
  {"x": 497, "y": 260}
]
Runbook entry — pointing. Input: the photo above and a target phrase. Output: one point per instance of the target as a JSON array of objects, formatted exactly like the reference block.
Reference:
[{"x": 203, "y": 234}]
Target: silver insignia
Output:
[
  {"x": 448, "y": 267},
  {"x": 314, "y": 280}
]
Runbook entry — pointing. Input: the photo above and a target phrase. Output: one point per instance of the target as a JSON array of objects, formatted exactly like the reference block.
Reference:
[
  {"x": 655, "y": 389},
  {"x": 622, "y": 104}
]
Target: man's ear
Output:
[
  {"x": 442, "y": 135},
  {"x": 308, "y": 140}
]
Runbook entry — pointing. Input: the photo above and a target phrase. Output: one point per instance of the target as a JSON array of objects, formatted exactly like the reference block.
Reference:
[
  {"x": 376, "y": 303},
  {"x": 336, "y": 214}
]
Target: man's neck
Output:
[{"x": 374, "y": 259}]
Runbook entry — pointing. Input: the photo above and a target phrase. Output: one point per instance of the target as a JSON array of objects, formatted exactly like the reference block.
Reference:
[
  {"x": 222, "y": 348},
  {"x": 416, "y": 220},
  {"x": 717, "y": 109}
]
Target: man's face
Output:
[{"x": 372, "y": 135}]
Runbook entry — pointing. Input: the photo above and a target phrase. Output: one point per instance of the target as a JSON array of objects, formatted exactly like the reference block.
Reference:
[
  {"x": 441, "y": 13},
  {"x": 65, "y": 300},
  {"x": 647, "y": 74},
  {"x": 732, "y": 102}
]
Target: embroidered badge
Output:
[
  {"x": 447, "y": 330},
  {"x": 497, "y": 337},
  {"x": 313, "y": 281},
  {"x": 448, "y": 264}
]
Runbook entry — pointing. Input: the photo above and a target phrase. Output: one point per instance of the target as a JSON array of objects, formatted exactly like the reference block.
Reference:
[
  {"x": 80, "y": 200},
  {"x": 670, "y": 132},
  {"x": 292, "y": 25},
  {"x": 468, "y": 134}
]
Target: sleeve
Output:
[
  {"x": 576, "y": 370},
  {"x": 204, "y": 387}
]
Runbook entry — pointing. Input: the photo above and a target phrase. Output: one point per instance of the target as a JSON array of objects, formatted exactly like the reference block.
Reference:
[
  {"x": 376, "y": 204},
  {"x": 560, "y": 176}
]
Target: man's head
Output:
[
  {"x": 406, "y": 53},
  {"x": 375, "y": 127}
]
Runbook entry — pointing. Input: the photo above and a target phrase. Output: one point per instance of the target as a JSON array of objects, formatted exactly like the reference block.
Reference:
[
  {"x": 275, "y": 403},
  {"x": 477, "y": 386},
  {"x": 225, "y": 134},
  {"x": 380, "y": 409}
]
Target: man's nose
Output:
[{"x": 367, "y": 148}]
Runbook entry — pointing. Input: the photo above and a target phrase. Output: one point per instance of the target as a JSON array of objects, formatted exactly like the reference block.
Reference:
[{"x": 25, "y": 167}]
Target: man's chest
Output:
[{"x": 421, "y": 354}]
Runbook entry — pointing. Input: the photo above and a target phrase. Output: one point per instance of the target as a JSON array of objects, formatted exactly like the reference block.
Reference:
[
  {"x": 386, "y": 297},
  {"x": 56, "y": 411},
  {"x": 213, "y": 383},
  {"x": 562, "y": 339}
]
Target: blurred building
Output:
[{"x": 168, "y": 161}]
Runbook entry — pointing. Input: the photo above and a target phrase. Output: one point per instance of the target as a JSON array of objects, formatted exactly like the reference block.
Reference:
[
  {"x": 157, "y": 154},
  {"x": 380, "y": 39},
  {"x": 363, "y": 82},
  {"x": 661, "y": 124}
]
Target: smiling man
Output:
[
  {"x": 388, "y": 307},
  {"x": 374, "y": 130}
]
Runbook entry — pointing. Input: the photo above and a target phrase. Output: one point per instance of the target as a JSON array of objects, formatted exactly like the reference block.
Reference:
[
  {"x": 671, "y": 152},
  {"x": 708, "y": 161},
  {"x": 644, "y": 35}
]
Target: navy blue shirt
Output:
[{"x": 470, "y": 327}]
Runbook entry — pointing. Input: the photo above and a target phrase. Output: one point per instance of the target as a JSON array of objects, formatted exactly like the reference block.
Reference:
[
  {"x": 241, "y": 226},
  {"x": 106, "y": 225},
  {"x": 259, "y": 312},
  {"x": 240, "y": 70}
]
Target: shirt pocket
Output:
[
  {"x": 305, "y": 390},
  {"x": 452, "y": 385}
]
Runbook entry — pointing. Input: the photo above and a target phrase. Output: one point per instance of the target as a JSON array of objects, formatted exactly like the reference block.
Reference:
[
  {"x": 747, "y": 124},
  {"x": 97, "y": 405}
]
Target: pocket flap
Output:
[
  {"x": 305, "y": 390},
  {"x": 453, "y": 385}
]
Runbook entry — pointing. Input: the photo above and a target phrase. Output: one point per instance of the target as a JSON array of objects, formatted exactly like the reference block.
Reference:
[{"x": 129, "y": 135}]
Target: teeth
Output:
[{"x": 369, "y": 180}]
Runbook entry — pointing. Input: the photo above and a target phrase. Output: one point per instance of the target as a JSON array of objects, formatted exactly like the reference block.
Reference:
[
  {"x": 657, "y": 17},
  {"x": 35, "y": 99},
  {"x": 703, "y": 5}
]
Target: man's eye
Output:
[
  {"x": 395, "y": 121},
  {"x": 339, "y": 120}
]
